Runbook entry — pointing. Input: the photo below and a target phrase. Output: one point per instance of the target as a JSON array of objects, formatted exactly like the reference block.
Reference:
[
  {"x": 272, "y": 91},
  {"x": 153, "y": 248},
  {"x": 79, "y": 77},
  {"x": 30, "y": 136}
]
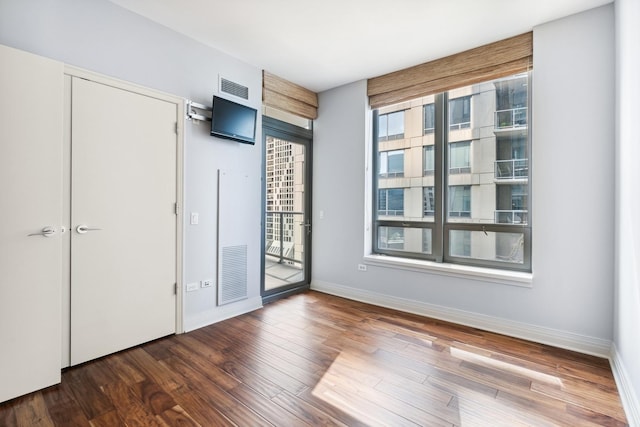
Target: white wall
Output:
[
  {"x": 626, "y": 352},
  {"x": 99, "y": 36},
  {"x": 570, "y": 302}
]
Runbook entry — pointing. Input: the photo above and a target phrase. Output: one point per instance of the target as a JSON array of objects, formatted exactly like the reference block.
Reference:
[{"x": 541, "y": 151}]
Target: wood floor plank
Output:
[
  {"x": 200, "y": 410},
  {"x": 108, "y": 419},
  {"x": 129, "y": 408},
  {"x": 62, "y": 408},
  {"x": 32, "y": 411},
  {"x": 315, "y": 359}
]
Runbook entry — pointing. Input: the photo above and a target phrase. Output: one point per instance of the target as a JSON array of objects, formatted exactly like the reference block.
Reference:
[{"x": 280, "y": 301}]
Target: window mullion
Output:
[{"x": 439, "y": 176}]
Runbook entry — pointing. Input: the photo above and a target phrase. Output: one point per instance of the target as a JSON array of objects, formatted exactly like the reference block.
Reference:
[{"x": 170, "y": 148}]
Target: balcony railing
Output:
[
  {"x": 511, "y": 118},
  {"x": 512, "y": 169},
  {"x": 458, "y": 126},
  {"x": 391, "y": 212},
  {"x": 511, "y": 217},
  {"x": 276, "y": 227}
]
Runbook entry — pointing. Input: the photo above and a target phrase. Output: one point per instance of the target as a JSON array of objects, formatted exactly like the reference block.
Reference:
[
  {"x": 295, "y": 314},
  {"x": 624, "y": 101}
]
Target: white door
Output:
[
  {"x": 31, "y": 91},
  {"x": 123, "y": 195}
]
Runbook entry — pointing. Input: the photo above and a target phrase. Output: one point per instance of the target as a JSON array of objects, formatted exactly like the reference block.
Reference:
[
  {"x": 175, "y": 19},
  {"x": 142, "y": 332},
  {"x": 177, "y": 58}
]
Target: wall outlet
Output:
[
  {"x": 195, "y": 217},
  {"x": 206, "y": 283},
  {"x": 192, "y": 287},
  {"x": 362, "y": 267}
]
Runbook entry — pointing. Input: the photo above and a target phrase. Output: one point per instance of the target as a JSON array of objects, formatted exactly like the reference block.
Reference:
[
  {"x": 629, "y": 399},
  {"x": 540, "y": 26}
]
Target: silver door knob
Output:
[
  {"x": 82, "y": 229},
  {"x": 46, "y": 232}
]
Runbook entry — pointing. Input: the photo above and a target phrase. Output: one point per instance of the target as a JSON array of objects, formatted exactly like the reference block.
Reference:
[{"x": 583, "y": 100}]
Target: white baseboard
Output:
[
  {"x": 629, "y": 397},
  {"x": 221, "y": 313},
  {"x": 567, "y": 340}
]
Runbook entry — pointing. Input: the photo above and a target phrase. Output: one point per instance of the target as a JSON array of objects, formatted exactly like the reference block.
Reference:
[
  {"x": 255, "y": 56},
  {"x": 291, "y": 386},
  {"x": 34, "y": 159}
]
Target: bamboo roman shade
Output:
[
  {"x": 286, "y": 96},
  {"x": 488, "y": 62}
]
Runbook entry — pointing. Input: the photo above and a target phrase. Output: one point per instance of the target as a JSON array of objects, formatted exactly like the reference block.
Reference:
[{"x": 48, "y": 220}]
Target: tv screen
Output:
[{"x": 234, "y": 121}]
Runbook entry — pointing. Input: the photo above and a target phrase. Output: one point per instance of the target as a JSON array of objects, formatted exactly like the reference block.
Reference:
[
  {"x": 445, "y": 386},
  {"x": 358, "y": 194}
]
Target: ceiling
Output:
[{"x": 323, "y": 44}]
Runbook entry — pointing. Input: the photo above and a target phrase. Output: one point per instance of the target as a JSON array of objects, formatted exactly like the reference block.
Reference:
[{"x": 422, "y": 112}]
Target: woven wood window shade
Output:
[
  {"x": 488, "y": 62},
  {"x": 286, "y": 96}
]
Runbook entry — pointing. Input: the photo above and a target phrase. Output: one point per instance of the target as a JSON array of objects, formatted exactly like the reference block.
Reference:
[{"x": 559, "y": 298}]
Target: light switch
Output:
[{"x": 194, "y": 218}]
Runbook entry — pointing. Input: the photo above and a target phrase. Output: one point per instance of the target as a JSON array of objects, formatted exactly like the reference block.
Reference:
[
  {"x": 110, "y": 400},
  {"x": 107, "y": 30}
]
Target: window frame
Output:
[{"x": 441, "y": 225}]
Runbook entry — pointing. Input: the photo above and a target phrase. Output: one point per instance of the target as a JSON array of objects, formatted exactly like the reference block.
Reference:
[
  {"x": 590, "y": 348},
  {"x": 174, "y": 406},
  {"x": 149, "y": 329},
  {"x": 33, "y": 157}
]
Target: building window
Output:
[
  {"x": 428, "y": 202},
  {"x": 391, "y": 126},
  {"x": 391, "y": 164},
  {"x": 470, "y": 201},
  {"x": 429, "y": 118},
  {"x": 459, "y": 158},
  {"x": 428, "y": 160},
  {"x": 391, "y": 202},
  {"x": 460, "y": 113},
  {"x": 459, "y": 201}
]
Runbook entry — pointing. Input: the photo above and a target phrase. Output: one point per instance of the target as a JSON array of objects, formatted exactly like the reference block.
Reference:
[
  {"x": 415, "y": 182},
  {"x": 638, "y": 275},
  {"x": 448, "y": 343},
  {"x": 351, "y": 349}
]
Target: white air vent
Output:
[
  {"x": 233, "y": 88},
  {"x": 233, "y": 274}
]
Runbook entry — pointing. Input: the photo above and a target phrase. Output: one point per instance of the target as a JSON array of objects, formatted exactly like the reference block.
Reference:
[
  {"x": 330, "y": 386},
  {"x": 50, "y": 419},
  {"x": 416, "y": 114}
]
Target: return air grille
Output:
[
  {"x": 233, "y": 276},
  {"x": 233, "y": 88}
]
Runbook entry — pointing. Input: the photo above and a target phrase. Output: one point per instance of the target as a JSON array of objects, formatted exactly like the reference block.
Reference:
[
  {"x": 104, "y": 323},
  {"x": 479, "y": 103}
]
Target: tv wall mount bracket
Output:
[{"x": 195, "y": 111}]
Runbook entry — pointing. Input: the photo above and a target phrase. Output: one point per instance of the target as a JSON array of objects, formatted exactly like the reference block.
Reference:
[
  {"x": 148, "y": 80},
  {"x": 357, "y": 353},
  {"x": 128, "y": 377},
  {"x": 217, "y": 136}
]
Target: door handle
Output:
[
  {"x": 82, "y": 229},
  {"x": 46, "y": 232},
  {"x": 308, "y": 227}
]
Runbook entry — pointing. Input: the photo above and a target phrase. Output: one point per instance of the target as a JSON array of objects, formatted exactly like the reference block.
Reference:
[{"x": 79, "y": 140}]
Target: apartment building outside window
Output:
[
  {"x": 391, "y": 202},
  {"x": 463, "y": 194},
  {"x": 391, "y": 126},
  {"x": 428, "y": 160},
  {"x": 460, "y": 113},
  {"x": 391, "y": 164},
  {"x": 429, "y": 118},
  {"x": 459, "y": 157}
]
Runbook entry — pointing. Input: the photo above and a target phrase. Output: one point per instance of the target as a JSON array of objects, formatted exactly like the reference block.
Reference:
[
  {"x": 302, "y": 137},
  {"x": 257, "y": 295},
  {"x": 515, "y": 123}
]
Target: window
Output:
[
  {"x": 428, "y": 160},
  {"x": 459, "y": 201},
  {"x": 459, "y": 157},
  {"x": 460, "y": 113},
  {"x": 429, "y": 118},
  {"x": 391, "y": 202},
  {"x": 428, "y": 202},
  {"x": 469, "y": 203},
  {"x": 391, "y": 126},
  {"x": 391, "y": 164}
]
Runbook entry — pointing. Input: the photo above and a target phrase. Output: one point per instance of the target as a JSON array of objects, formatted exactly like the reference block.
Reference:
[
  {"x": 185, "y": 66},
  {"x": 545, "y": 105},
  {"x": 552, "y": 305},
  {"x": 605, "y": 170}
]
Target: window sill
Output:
[{"x": 491, "y": 275}]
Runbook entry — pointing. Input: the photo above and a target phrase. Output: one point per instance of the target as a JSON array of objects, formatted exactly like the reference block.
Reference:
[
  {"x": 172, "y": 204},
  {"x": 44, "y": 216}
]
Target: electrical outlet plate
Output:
[
  {"x": 362, "y": 267},
  {"x": 192, "y": 287},
  {"x": 206, "y": 283}
]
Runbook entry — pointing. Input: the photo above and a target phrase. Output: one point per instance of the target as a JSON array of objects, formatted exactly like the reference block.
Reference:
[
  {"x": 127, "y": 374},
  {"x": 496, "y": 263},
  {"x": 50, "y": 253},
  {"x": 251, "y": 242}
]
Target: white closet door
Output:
[
  {"x": 123, "y": 247},
  {"x": 31, "y": 89}
]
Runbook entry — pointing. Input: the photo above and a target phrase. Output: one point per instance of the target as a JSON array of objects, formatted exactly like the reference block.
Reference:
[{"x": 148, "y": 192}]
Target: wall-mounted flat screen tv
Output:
[{"x": 234, "y": 121}]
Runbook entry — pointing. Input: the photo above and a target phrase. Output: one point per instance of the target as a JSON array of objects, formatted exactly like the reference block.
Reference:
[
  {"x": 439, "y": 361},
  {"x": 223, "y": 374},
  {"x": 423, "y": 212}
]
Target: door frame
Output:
[
  {"x": 71, "y": 71},
  {"x": 298, "y": 135}
]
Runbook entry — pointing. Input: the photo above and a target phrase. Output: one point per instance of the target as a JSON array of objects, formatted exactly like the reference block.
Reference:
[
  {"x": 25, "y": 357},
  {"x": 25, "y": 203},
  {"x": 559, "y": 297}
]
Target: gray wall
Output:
[
  {"x": 626, "y": 352},
  {"x": 99, "y": 36},
  {"x": 570, "y": 302}
]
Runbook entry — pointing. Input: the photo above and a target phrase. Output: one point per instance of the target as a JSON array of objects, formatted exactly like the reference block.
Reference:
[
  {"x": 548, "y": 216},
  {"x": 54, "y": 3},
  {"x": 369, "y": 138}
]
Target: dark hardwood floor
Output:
[{"x": 317, "y": 360}]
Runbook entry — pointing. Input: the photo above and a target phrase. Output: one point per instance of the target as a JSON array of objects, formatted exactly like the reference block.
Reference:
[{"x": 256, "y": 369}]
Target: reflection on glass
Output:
[
  {"x": 405, "y": 239},
  {"x": 487, "y": 245}
]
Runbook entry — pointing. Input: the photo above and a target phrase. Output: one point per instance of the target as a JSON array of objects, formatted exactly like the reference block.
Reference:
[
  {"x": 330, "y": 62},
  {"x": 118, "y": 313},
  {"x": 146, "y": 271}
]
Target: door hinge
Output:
[
  {"x": 176, "y": 129},
  {"x": 175, "y": 208},
  {"x": 175, "y": 288}
]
